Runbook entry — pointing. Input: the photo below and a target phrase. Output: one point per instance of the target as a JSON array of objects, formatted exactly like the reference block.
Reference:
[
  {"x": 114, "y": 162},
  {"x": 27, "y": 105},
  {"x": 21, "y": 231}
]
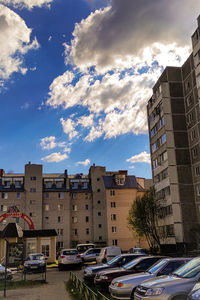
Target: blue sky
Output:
[{"x": 76, "y": 75}]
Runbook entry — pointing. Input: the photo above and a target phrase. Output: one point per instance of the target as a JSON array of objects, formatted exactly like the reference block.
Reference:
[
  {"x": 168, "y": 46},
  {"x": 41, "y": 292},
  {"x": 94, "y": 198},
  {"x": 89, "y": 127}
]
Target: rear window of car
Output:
[
  {"x": 36, "y": 257},
  {"x": 70, "y": 252}
]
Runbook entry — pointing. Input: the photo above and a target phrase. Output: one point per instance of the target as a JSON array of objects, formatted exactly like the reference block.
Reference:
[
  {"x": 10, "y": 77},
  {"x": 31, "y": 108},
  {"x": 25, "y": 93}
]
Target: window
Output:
[
  {"x": 112, "y": 204},
  {"x": 99, "y": 213},
  {"x": 4, "y": 195},
  {"x": 60, "y": 206},
  {"x": 98, "y": 190},
  {"x": 74, "y": 195},
  {"x": 187, "y": 85},
  {"x": 32, "y": 214},
  {"x": 193, "y": 134},
  {"x": 100, "y": 226},
  {"x": 87, "y": 231},
  {"x": 74, "y": 207},
  {"x": 46, "y": 218},
  {"x": 98, "y": 179},
  {"x": 170, "y": 230},
  {"x": 198, "y": 189},
  {"x": 59, "y": 219},
  {"x": 112, "y": 192},
  {"x": 197, "y": 170},
  {"x": 189, "y": 100},
  {"x": 3, "y": 207},
  {"x": 85, "y": 185},
  {"x": 31, "y": 245},
  {"x": 75, "y": 185},
  {"x": 114, "y": 242},
  {"x": 75, "y": 231},
  {"x": 74, "y": 220},
  {"x": 45, "y": 245},
  {"x": 32, "y": 190},
  {"x": 46, "y": 207},
  {"x": 86, "y": 219},
  {"x": 195, "y": 152},
  {"x": 33, "y": 178},
  {"x": 86, "y": 196},
  {"x": 100, "y": 238},
  {"x": 47, "y": 195},
  {"x": 99, "y": 201},
  {"x": 32, "y": 201},
  {"x": 61, "y": 195},
  {"x": 86, "y": 207},
  {"x": 113, "y": 217},
  {"x": 114, "y": 229}
]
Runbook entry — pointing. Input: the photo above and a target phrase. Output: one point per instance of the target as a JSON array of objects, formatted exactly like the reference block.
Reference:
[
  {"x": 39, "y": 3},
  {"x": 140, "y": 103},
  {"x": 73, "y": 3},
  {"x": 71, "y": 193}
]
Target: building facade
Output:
[
  {"x": 82, "y": 208},
  {"x": 174, "y": 133}
]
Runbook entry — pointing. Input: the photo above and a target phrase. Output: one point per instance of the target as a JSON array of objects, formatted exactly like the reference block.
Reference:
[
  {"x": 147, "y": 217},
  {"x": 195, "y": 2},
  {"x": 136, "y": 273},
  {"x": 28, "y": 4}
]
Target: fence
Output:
[{"x": 84, "y": 290}]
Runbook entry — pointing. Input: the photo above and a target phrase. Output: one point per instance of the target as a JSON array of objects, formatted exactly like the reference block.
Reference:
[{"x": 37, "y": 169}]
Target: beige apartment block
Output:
[{"x": 77, "y": 206}]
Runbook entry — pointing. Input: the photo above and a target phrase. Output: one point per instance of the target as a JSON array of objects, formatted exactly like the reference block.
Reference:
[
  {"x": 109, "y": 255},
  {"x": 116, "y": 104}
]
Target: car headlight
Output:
[
  {"x": 154, "y": 292},
  {"x": 103, "y": 277},
  {"x": 89, "y": 272}
]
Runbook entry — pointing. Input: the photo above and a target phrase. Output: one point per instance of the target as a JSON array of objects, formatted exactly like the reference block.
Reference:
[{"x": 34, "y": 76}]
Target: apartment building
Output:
[
  {"x": 174, "y": 133},
  {"x": 82, "y": 208}
]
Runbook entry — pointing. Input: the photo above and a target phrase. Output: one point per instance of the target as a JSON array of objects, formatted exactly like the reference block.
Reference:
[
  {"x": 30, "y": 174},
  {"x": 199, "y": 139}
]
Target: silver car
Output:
[
  {"x": 90, "y": 255},
  {"x": 173, "y": 287},
  {"x": 2, "y": 273},
  {"x": 123, "y": 287},
  {"x": 69, "y": 257},
  {"x": 195, "y": 292}
]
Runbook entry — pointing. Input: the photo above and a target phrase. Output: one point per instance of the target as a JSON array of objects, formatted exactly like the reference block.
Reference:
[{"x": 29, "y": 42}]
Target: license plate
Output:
[{"x": 33, "y": 267}]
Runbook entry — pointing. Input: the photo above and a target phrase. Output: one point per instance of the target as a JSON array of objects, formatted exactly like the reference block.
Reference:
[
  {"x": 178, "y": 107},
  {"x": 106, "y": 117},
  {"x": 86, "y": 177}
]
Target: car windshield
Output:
[
  {"x": 189, "y": 270},
  {"x": 70, "y": 252},
  {"x": 156, "y": 267},
  {"x": 115, "y": 260},
  {"x": 131, "y": 264},
  {"x": 36, "y": 257}
]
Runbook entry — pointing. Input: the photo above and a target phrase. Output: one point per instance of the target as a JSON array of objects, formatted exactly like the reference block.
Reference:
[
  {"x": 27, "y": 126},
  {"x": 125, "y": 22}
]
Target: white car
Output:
[
  {"x": 2, "y": 273},
  {"x": 69, "y": 257}
]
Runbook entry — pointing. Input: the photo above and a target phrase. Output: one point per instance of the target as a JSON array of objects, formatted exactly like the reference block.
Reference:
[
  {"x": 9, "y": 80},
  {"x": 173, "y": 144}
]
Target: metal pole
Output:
[{"x": 5, "y": 278}]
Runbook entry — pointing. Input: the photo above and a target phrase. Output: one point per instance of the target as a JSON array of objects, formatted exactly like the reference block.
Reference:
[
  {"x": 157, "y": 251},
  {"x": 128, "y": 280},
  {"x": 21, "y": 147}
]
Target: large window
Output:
[
  {"x": 31, "y": 246},
  {"x": 45, "y": 246}
]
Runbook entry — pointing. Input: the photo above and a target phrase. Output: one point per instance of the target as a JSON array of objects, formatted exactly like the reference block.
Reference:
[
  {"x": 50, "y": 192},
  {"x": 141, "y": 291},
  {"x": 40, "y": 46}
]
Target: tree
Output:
[{"x": 143, "y": 216}]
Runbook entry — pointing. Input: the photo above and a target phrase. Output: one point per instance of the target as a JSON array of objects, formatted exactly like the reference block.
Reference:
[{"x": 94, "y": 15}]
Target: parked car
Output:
[
  {"x": 123, "y": 287},
  {"x": 195, "y": 292},
  {"x": 81, "y": 248},
  {"x": 173, "y": 287},
  {"x": 2, "y": 273},
  {"x": 118, "y": 261},
  {"x": 108, "y": 253},
  {"x": 90, "y": 255},
  {"x": 138, "y": 251},
  {"x": 35, "y": 263},
  {"x": 103, "y": 278},
  {"x": 69, "y": 257}
]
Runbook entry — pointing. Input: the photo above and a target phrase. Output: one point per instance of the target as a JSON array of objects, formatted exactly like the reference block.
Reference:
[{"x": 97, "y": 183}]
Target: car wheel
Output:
[{"x": 132, "y": 294}]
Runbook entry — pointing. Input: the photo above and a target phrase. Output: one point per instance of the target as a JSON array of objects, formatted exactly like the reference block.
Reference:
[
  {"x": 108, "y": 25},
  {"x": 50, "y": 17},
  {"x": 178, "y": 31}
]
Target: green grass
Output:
[{"x": 11, "y": 285}]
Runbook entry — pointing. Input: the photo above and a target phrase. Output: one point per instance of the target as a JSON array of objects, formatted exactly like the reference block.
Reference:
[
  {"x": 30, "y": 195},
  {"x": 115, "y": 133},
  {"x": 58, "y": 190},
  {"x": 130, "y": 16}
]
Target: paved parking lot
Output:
[{"x": 55, "y": 289}]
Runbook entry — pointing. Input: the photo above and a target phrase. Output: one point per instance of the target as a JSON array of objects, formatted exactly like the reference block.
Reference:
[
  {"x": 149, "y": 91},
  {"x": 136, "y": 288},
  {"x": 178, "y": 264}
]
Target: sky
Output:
[{"x": 76, "y": 76}]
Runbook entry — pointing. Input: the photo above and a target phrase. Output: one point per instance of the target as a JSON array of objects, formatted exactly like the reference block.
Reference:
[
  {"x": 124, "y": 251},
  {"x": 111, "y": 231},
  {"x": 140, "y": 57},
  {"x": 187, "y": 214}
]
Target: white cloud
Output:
[
  {"x": 142, "y": 157},
  {"x": 84, "y": 163},
  {"x": 86, "y": 121},
  {"x": 127, "y": 45},
  {"x": 50, "y": 38},
  {"x": 67, "y": 150},
  {"x": 15, "y": 42},
  {"x": 49, "y": 142},
  {"x": 118, "y": 34},
  {"x": 55, "y": 157},
  {"x": 27, "y": 3},
  {"x": 69, "y": 127}
]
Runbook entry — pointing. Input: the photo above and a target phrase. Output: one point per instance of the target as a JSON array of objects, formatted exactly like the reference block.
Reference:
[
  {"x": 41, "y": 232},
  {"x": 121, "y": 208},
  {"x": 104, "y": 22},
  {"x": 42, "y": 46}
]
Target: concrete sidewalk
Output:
[{"x": 54, "y": 290}]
